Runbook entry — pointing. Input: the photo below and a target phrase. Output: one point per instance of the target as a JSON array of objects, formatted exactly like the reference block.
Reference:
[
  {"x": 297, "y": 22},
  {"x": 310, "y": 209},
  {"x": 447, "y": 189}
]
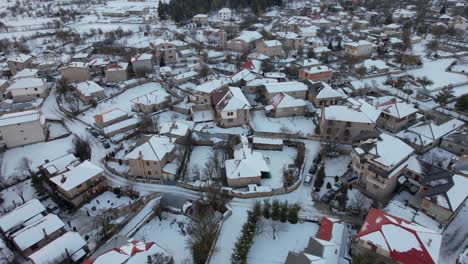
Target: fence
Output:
[{"x": 226, "y": 215}]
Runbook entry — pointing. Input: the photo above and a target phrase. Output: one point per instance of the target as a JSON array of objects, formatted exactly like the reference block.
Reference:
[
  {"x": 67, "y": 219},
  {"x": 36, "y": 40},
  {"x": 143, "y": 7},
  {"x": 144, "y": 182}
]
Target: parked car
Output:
[
  {"x": 106, "y": 144},
  {"x": 337, "y": 185},
  {"x": 308, "y": 179},
  {"x": 327, "y": 196},
  {"x": 313, "y": 169},
  {"x": 101, "y": 138},
  {"x": 94, "y": 133},
  {"x": 317, "y": 159}
]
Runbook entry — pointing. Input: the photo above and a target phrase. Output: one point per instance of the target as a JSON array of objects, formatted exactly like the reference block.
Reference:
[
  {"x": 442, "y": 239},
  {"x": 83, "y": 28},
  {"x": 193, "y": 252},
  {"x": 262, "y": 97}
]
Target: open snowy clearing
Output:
[
  {"x": 37, "y": 153},
  {"x": 122, "y": 101},
  {"x": 168, "y": 234},
  {"x": 265, "y": 249},
  {"x": 288, "y": 125},
  {"x": 105, "y": 201},
  {"x": 278, "y": 160}
]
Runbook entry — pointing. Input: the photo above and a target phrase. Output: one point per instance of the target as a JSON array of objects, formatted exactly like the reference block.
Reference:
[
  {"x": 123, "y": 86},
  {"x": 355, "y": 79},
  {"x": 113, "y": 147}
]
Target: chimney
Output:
[
  {"x": 45, "y": 233},
  {"x": 429, "y": 242},
  {"x": 140, "y": 155},
  {"x": 63, "y": 179}
]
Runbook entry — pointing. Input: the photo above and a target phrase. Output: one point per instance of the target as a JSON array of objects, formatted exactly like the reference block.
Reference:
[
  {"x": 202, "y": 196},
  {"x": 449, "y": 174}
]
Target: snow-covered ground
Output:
[
  {"x": 278, "y": 161},
  {"x": 265, "y": 249},
  {"x": 288, "y": 125},
  {"x": 37, "y": 153},
  {"x": 12, "y": 196},
  {"x": 334, "y": 167},
  {"x": 105, "y": 201},
  {"x": 122, "y": 101},
  {"x": 168, "y": 234},
  {"x": 198, "y": 158},
  {"x": 454, "y": 237}
]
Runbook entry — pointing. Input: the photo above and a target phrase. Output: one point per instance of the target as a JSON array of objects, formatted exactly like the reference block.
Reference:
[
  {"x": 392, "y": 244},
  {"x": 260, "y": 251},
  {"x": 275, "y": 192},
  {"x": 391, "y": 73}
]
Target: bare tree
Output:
[
  {"x": 103, "y": 225},
  {"x": 195, "y": 172},
  {"x": 276, "y": 227},
  {"x": 359, "y": 203},
  {"x": 260, "y": 226},
  {"x": 209, "y": 170},
  {"x": 73, "y": 103},
  {"x": 24, "y": 167},
  {"x": 81, "y": 148},
  {"x": 19, "y": 190}
]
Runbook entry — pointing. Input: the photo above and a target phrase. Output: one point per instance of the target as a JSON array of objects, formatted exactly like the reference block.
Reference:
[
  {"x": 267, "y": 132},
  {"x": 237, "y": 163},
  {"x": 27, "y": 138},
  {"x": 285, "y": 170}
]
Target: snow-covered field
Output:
[
  {"x": 198, "y": 158},
  {"x": 12, "y": 196},
  {"x": 167, "y": 234},
  {"x": 288, "y": 125},
  {"x": 122, "y": 101},
  {"x": 278, "y": 160},
  {"x": 105, "y": 201},
  {"x": 265, "y": 249},
  {"x": 334, "y": 167},
  {"x": 37, "y": 153}
]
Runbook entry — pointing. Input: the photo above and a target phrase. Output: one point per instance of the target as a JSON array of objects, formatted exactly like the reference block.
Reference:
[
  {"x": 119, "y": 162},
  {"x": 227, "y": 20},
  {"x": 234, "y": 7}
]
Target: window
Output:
[
  {"x": 147, "y": 163},
  {"x": 35, "y": 89},
  {"x": 230, "y": 113},
  {"x": 149, "y": 172},
  {"x": 21, "y": 131}
]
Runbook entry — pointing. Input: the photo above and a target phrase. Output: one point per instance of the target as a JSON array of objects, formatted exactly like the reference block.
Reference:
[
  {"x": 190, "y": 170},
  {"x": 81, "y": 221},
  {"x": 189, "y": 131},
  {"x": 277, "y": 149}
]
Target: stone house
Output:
[
  {"x": 142, "y": 64},
  {"x": 75, "y": 72},
  {"x": 245, "y": 42},
  {"x": 116, "y": 72},
  {"x": 361, "y": 48},
  {"x": 148, "y": 158},
  {"x": 80, "y": 183},
  {"x": 231, "y": 107},
  {"x": 27, "y": 89},
  {"x": 271, "y": 48},
  {"x": 284, "y": 105},
  {"x": 89, "y": 92},
  {"x": 19, "y": 62},
  {"x": 294, "y": 89},
  {"x": 456, "y": 142},
  {"x": 322, "y": 94},
  {"x": 378, "y": 163},
  {"x": 151, "y": 102},
  {"x": 316, "y": 73},
  {"x": 22, "y": 128}
]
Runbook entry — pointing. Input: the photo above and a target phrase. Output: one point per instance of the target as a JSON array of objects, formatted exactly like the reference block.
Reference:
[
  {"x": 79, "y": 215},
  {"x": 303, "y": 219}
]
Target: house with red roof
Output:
[
  {"x": 390, "y": 239},
  {"x": 325, "y": 247},
  {"x": 133, "y": 253}
]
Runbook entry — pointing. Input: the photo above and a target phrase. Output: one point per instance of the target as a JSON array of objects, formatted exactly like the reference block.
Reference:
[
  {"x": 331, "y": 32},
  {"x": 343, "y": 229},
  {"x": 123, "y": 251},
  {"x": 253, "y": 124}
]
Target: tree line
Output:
[{"x": 184, "y": 10}]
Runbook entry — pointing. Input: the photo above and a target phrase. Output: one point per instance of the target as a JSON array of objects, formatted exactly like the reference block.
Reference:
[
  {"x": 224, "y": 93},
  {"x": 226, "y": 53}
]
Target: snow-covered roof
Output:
[
  {"x": 111, "y": 115},
  {"x": 77, "y": 175},
  {"x": 125, "y": 124},
  {"x": 25, "y": 83},
  {"x": 21, "y": 58},
  {"x": 358, "y": 43},
  {"x": 406, "y": 242},
  {"x": 246, "y": 163},
  {"x": 135, "y": 252},
  {"x": 424, "y": 133},
  {"x": 285, "y": 87},
  {"x": 379, "y": 64},
  {"x": 155, "y": 149},
  {"x": 259, "y": 82},
  {"x": 177, "y": 128},
  {"x": 156, "y": 97},
  {"x": 347, "y": 114},
  {"x": 458, "y": 193},
  {"x": 60, "y": 164},
  {"x": 245, "y": 75},
  {"x": 249, "y": 36},
  {"x": 328, "y": 92},
  {"x": 56, "y": 251},
  {"x": 88, "y": 88},
  {"x": 212, "y": 85},
  {"x": 37, "y": 231},
  {"x": 272, "y": 43},
  {"x": 317, "y": 69},
  {"x": 26, "y": 73},
  {"x": 232, "y": 99},
  {"x": 21, "y": 117},
  {"x": 268, "y": 141},
  {"x": 390, "y": 151},
  {"x": 21, "y": 214},
  {"x": 283, "y": 100}
]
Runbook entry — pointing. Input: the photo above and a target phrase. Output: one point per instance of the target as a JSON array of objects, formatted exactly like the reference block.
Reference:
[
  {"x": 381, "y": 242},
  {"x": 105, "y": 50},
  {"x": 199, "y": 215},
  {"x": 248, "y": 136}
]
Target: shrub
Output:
[
  {"x": 329, "y": 186},
  {"x": 293, "y": 215},
  {"x": 266, "y": 209}
]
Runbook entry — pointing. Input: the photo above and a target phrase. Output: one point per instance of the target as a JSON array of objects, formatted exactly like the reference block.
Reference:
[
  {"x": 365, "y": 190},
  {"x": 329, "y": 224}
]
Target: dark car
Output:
[
  {"x": 317, "y": 160},
  {"x": 106, "y": 144},
  {"x": 327, "y": 197},
  {"x": 94, "y": 133},
  {"x": 313, "y": 169}
]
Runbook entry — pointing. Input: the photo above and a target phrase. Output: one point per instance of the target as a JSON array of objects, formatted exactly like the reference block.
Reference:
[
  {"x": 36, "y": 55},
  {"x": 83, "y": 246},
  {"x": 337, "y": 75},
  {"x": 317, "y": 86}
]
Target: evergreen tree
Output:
[
  {"x": 310, "y": 53},
  {"x": 257, "y": 209},
  {"x": 284, "y": 211},
  {"x": 443, "y": 10},
  {"x": 330, "y": 45},
  {"x": 329, "y": 185},
  {"x": 275, "y": 210},
  {"x": 319, "y": 178},
  {"x": 293, "y": 216},
  {"x": 462, "y": 103},
  {"x": 266, "y": 209}
]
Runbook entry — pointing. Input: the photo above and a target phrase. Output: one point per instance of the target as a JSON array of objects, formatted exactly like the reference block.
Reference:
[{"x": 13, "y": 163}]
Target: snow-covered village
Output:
[{"x": 234, "y": 131}]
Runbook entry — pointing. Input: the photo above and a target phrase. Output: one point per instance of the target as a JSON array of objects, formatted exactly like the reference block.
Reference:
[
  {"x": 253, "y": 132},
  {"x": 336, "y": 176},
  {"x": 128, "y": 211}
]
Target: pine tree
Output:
[
  {"x": 293, "y": 216},
  {"x": 257, "y": 208},
  {"x": 266, "y": 209},
  {"x": 275, "y": 210},
  {"x": 329, "y": 185},
  {"x": 330, "y": 45},
  {"x": 443, "y": 10},
  {"x": 320, "y": 178},
  {"x": 284, "y": 211}
]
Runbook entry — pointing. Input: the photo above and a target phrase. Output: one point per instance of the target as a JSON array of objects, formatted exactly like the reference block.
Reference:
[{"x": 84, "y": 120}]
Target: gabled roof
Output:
[
  {"x": 154, "y": 149},
  {"x": 21, "y": 214},
  {"x": 230, "y": 99},
  {"x": 37, "y": 231},
  {"x": 134, "y": 252},
  {"x": 424, "y": 133},
  {"x": 56, "y": 251},
  {"x": 283, "y": 100},
  {"x": 407, "y": 242},
  {"x": 76, "y": 175}
]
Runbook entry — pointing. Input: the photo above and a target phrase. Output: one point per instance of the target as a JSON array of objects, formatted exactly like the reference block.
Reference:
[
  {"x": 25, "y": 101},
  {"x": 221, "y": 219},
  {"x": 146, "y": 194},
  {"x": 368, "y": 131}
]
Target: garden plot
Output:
[
  {"x": 334, "y": 167},
  {"x": 287, "y": 125},
  {"x": 277, "y": 161},
  {"x": 14, "y": 195},
  {"x": 294, "y": 237},
  {"x": 122, "y": 101},
  {"x": 198, "y": 158},
  {"x": 105, "y": 201},
  {"x": 37, "y": 153},
  {"x": 169, "y": 233}
]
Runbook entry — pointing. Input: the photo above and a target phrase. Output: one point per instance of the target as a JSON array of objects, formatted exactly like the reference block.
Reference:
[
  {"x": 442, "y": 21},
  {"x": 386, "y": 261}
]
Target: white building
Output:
[
  {"x": 22, "y": 128},
  {"x": 225, "y": 14},
  {"x": 361, "y": 48},
  {"x": 27, "y": 89}
]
